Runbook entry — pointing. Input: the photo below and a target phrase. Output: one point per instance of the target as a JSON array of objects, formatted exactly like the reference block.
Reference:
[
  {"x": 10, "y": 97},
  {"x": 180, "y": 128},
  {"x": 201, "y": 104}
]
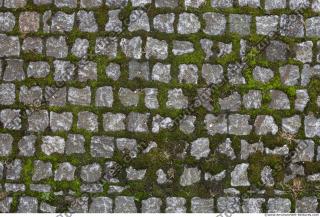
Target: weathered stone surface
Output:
[
  {"x": 65, "y": 172},
  {"x": 215, "y": 23},
  {"x": 102, "y": 146},
  {"x": 247, "y": 149},
  {"x": 88, "y": 121},
  {"x": 200, "y": 148},
  {"x": 104, "y": 97},
  {"x": 267, "y": 25},
  {"x": 231, "y": 103},
  {"x": 42, "y": 170},
  {"x": 307, "y": 205},
  {"x": 9, "y": 46},
  {"x": 265, "y": 124},
  {"x": 182, "y": 47},
  {"x": 190, "y": 176},
  {"x": 175, "y": 205},
  {"x": 6, "y": 144},
  {"x": 279, "y": 100},
  {"x": 277, "y": 51},
  {"x": 91, "y": 172},
  {"x": 101, "y": 205},
  {"x": 176, "y": 99},
  {"x": 289, "y": 74},
  {"x": 262, "y": 74},
  {"x": 292, "y": 25},
  {"x": 239, "y": 124},
  {"x": 62, "y": 22},
  {"x": 200, "y": 205},
  {"x": 139, "y": 20},
  {"x": 151, "y": 205},
  {"x": 239, "y": 176},
  {"x": 124, "y": 204},
  {"x": 226, "y": 148},
  {"x": 279, "y": 205},
  {"x": 253, "y": 205},
  {"x": 228, "y": 204},
  {"x": 164, "y": 22},
  {"x": 28, "y": 205},
  {"x": 292, "y": 124},
  {"x": 240, "y": 24},
  {"x": 188, "y": 23},
  {"x": 8, "y": 21}
]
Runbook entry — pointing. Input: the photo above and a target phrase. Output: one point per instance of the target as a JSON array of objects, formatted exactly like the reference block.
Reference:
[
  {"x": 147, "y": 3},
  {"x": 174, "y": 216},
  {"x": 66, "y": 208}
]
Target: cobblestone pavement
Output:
[{"x": 159, "y": 105}]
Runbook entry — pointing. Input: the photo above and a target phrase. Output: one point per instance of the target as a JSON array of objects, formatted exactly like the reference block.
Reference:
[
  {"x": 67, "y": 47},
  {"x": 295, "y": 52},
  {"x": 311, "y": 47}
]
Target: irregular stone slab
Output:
[
  {"x": 101, "y": 205},
  {"x": 26, "y": 146},
  {"x": 87, "y": 121},
  {"x": 267, "y": 25},
  {"x": 182, "y": 47},
  {"x": 201, "y": 205},
  {"x": 39, "y": 69},
  {"x": 175, "y": 205},
  {"x": 279, "y": 100},
  {"x": 215, "y": 23},
  {"x": 87, "y": 21},
  {"x": 124, "y": 204},
  {"x": 157, "y": 49},
  {"x": 114, "y": 24},
  {"x": 8, "y": 21},
  {"x": 126, "y": 145},
  {"x": 42, "y": 170},
  {"x": 213, "y": 74},
  {"x": 132, "y": 48},
  {"x": 311, "y": 126},
  {"x": 248, "y": 149},
  {"x": 139, "y": 20},
  {"x": 240, "y": 24},
  {"x": 65, "y": 172},
  {"x": 161, "y": 72},
  {"x": 239, "y": 175},
  {"x": 133, "y": 174},
  {"x": 279, "y": 205},
  {"x": 262, "y": 74},
  {"x": 266, "y": 176},
  {"x": 78, "y": 96},
  {"x": 292, "y": 25},
  {"x": 265, "y": 124},
  {"x": 304, "y": 151},
  {"x": 137, "y": 122},
  {"x": 307, "y": 205},
  {"x": 230, "y": 103},
  {"x": 290, "y": 75},
  {"x": 102, "y": 146},
  {"x": 62, "y": 22},
  {"x": 228, "y": 204},
  {"x": 304, "y": 51},
  {"x": 14, "y": 70},
  {"x": 52, "y": 144},
  {"x": 277, "y": 51},
  {"x": 190, "y": 176},
  {"x": 216, "y": 124},
  {"x": 61, "y": 121},
  {"x": 239, "y": 124},
  {"x": 252, "y": 205},
  {"x": 91, "y": 172},
  {"x": 292, "y": 124},
  {"x": 176, "y": 99},
  {"x": 188, "y": 23},
  {"x": 75, "y": 144},
  {"x": 139, "y": 70},
  {"x": 164, "y": 22},
  {"x": 151, "y": 205},
  {"x": 114, "y": 122},
  {"x": 312, "y": 27},
  {"x": 29, "y": 22},
  {"x": 107, "y": 46},
  {"x": 188, "y": 73},
  {"x": 186, "y": 124},
  {"x": 226, "y": 148},
  {"x": 64, "y": 70},
  {"x": 9, "y": 46},
  {"x": 80, "y": 47},
  {"x": 38, "y": 121},
  {"x": 7, "y": 94},
  {"x": 28, "y": 205},
  {"x": 200, "y": 148},
  {"x": 275, "y": 4}
]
